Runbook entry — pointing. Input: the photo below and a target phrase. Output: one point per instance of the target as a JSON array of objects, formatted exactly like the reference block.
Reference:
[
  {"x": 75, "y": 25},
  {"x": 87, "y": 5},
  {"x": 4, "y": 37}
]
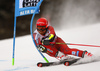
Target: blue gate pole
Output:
[
  {"x": 37, "y": 7},
  {"x": 14, "y": 41}
]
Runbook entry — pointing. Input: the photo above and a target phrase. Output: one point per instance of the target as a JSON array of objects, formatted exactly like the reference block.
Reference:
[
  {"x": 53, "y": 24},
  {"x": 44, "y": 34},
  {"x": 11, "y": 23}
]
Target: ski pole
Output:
[{"x": 78, "y": 44}]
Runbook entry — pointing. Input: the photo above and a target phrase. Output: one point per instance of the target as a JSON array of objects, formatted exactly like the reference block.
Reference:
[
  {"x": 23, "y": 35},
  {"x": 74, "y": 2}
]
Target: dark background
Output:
[{"x": 59, "y": 12}]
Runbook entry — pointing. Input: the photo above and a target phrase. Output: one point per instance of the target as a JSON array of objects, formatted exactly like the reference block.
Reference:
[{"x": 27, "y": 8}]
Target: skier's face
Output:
[{"x": 41, "y": 30}]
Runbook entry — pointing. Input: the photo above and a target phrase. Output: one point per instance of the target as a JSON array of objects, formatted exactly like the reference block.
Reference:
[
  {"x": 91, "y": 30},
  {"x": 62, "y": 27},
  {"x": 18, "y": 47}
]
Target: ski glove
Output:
[
  {"x": 42, "y": 48},
  {"x": 48, "y": 39}
]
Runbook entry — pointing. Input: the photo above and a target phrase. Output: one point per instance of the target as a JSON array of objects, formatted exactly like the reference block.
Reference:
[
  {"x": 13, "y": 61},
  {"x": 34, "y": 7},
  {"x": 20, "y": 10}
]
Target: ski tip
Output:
[
  {"x": 39, "y": 64},
  {"x": 66, "y": 63}
]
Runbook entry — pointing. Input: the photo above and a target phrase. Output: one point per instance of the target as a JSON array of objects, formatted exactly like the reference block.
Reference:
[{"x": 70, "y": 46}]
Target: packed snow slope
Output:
[{"x": 27, "y": 56}]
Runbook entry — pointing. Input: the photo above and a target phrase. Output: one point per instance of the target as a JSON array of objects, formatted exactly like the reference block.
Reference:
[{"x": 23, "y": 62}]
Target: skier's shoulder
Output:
[
  {"x": 35, "y": 32},
  {"x": 50, "y": 27}
]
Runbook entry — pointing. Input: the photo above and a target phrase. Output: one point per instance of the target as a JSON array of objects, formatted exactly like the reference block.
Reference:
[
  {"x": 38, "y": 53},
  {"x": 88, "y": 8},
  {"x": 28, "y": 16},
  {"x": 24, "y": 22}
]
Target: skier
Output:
[{"x": 45, "y": 39}]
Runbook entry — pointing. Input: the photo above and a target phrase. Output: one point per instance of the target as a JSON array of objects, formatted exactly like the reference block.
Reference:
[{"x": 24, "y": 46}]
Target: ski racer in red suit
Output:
[{"x": 45, "y": 36}]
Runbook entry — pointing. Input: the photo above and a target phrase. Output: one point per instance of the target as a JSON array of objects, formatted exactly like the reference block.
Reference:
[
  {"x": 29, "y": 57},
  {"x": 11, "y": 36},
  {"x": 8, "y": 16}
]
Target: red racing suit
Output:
[{"x": 53, "y": 49}]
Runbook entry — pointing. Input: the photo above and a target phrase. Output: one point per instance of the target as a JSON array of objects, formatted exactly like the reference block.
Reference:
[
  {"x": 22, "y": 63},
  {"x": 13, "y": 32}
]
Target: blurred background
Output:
[{"x": 61, "y": 14}]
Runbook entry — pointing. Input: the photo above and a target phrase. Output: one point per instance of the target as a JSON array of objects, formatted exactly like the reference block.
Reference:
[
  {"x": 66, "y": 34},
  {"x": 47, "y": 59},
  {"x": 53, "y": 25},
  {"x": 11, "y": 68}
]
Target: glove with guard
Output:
[
  {"x": 45, "y": 41},
  {"x": 48, "y": 39},
  {"x": 42, "y": 48}
]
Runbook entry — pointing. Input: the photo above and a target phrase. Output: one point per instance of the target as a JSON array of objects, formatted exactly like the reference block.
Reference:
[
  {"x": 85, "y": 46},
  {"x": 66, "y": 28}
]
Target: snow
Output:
[{"x": 27, "y": 56}]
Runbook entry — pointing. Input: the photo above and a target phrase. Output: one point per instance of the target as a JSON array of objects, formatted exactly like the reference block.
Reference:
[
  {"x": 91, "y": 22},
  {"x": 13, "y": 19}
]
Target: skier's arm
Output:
[
  {"x": 34, "y": 36},
  {"x": 52, "y": 33},
  {"x": 40, "y": 47},
  {"x": 50, "y": 37}
]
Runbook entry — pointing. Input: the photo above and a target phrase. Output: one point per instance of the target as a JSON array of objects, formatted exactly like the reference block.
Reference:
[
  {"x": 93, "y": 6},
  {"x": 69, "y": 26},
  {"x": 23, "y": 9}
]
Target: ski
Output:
[
  {"x": 41, "y": 64},
  {"x": 72, "y": 61},
  {"x": 68, "y": 63},
  {"x": 65, "y": 62},
  {"x": 82, "y": 60}
]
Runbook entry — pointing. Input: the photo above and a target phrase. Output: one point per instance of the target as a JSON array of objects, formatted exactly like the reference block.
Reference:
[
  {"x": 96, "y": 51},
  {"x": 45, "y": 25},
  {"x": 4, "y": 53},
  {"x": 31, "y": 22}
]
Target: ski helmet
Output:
[{"x": 42, "y": 22}]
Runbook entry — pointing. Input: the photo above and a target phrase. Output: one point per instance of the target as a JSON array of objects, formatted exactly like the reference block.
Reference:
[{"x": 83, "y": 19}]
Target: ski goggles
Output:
[{"x": 41, "y": 28}]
